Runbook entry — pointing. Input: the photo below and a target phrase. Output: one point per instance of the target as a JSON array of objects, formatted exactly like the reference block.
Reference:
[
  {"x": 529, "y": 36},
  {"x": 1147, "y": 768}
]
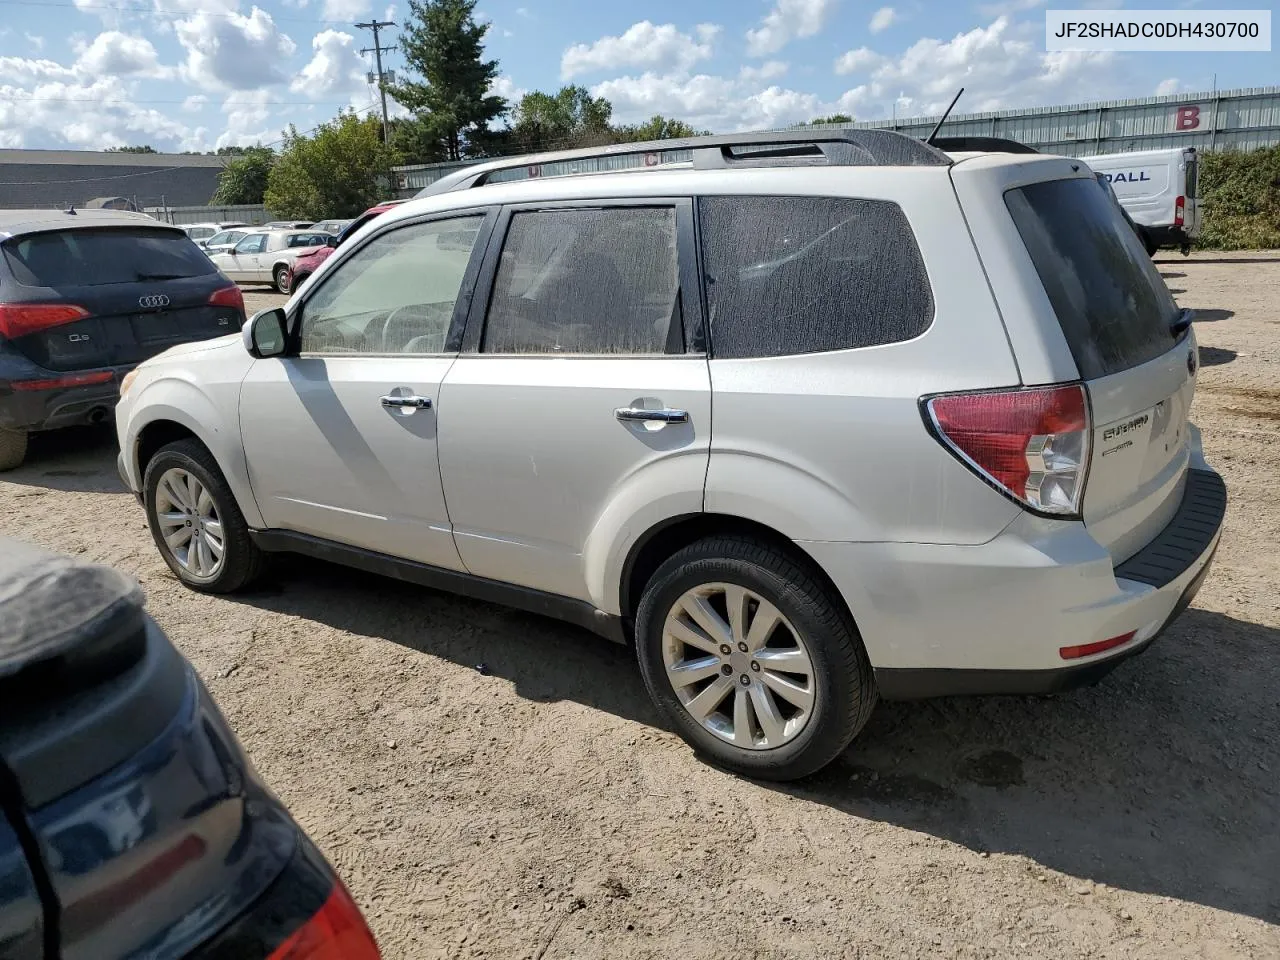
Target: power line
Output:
[{"x": 375, "y": 25}]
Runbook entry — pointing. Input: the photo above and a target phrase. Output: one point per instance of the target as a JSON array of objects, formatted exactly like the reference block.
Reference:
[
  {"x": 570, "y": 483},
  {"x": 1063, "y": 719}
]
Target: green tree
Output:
[
  {"x": 146, "y": 148},
  {"x": 339, "y": 171},
  {"x": 244, "y": 178},
  {"x": 443, "y": 46},
  {"x": 834, "y": 118},
  {"x": 657, "y": 127},
  {"x": 569, "y": 118}
]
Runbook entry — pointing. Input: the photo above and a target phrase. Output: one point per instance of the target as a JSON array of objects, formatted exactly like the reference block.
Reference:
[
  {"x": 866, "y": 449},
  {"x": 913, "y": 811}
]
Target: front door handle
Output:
[
  {"x": 415, "y": 403},
  {"x": 642, "y": 415}
]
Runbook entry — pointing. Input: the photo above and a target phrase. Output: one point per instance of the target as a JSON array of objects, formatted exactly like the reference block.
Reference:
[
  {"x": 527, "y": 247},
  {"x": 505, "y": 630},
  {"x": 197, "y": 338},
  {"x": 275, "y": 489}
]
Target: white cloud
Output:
[
  {"x": 344, "y": 9},
  {"x": 857, "y": 60},
  {"x": 119, "y": 54},
  {"x": 882, "y": 19},
  {"x": 713, "y": 102},
  {"x": 788, "y": 20},
  {"x": 1000, "y": 66},
  {"x": 503, "y": 86},
  {"x": 1166, "y": 87},
  {"x": 769, "y": 70},
  {"x": 335, "y": 67},
  {"x": 232, "y": 51},
  {"x": 44, "y": 104},
  {"x": 194, "y": 104},
  {"x": 247, "y": 117},
  {"x": 36, "y": 41},
  {"x": 644, "y": 44},
  {"x": 524, "y": 12}
]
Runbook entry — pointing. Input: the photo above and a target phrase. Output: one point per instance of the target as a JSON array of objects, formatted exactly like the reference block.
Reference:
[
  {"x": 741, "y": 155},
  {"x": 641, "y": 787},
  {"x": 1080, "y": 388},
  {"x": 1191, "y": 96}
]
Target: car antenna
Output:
[{"x": 943, "y": 119}]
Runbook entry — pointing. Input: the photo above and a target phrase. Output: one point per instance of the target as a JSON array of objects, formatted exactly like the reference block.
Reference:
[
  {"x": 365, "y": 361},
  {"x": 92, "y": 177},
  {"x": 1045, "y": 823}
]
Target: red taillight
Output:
[
  {"x": 1032, "y": 444},
  {"x": 1179, "y": 211},
  {"x": 20, "y": 319},
  {"x": 70, "y": 380},
  {"x": 1089, "y": 649},
  {"x": 227, "y": 297},
  {"x": 335, "y": 932}
]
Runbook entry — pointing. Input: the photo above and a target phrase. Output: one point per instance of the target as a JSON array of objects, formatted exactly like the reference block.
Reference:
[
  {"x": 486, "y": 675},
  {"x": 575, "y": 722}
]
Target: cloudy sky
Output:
[{"x": 197, "y": 74}]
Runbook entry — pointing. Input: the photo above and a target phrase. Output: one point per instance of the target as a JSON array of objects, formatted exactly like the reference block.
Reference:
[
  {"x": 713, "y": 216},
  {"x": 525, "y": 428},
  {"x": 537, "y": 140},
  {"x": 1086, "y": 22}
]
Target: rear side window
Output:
[
  {"x": 1193, "y": 178},
  {"x": 587, "y": 281},
  {"x": 788, "y": 275},
  {"x": 1114, "y": 309},
  {"x": 90, "y": 258}
]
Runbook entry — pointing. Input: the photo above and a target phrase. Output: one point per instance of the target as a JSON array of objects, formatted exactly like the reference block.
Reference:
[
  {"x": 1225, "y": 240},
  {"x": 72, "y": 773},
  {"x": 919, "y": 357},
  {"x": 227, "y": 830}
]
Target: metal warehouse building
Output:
[
  {"x": 1225, "y": 119},
  {"x": 58, "y": 178}
]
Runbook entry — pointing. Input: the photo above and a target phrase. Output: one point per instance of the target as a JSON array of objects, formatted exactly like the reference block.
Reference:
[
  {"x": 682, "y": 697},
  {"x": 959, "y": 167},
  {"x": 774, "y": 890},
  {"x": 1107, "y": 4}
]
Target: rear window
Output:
[
  {"x": 789, "y": 275},
  {"x": 90, "y": 258},
  {"x": 1113, "y": 307}
]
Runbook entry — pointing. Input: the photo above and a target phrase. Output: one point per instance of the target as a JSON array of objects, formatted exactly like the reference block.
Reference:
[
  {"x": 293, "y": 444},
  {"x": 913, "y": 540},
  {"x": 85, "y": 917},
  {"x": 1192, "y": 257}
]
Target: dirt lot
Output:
[{"x": 537, "y": 808}]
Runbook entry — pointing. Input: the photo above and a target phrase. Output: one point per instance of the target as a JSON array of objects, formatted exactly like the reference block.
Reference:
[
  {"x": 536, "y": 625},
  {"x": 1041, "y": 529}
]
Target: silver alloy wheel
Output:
[
  {"x": 189, "y": 523},
  {"x": 738, "y": 665}
]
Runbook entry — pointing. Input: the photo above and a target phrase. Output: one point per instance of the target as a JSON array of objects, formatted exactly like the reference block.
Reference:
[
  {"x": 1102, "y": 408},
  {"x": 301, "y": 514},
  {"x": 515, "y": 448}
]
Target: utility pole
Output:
[{"x": 377, "y": 50}]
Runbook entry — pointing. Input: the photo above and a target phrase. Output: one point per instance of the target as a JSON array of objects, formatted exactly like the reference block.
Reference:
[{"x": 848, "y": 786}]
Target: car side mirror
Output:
[
  {"x": 331, "y": 242},
  {"x": 265, "y": 335}
]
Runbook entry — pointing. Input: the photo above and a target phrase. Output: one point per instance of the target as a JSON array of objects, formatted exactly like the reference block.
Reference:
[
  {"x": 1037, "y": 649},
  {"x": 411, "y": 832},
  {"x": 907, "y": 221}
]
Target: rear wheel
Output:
[
  {"x": 13, "y": 448},
  {"x": 752, "y": 660},
  {"x": 283, "y": 277},
  {"x": 195, "y": 522}
]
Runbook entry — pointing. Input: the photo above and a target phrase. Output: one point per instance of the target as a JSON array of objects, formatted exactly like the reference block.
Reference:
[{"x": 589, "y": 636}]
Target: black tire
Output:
[
  {"x": 845, "y": 692},
  {"x": 1152, "y": 247},
  {"x": 13, "y": 448},
  {"x": 283, "y": 279},
  {"x": 242, "y": 562}
]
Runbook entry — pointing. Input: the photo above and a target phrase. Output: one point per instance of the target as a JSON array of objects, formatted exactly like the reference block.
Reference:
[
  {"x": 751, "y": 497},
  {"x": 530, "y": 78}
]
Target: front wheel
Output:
[
  {"x": 757, "y": 666},
  {"x": 283, "y": 278},
  {"x": 195, "y": 521}
]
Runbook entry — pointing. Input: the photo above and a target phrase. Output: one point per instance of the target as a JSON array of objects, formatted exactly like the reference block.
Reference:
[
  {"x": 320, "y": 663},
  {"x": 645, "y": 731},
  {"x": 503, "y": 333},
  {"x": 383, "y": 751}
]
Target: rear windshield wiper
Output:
[
  {"x": 1182, "y": 324},
  {"x": 162, "y": 276}
]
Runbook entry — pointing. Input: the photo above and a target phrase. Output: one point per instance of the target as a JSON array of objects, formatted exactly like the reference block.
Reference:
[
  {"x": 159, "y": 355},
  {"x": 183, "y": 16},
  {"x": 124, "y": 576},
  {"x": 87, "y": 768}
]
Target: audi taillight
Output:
[
  {"x": 1031, "y": 444},
  {"x": 227, "y": 297},
  {"x": 1179, "y": 211},
  {"x": 21, "y": 319},
  {"x": 336, "y": 931}
]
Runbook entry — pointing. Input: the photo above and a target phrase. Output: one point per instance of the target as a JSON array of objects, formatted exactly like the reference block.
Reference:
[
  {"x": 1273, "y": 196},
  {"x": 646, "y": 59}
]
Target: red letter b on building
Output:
[{"x": 1187, "y": 118}]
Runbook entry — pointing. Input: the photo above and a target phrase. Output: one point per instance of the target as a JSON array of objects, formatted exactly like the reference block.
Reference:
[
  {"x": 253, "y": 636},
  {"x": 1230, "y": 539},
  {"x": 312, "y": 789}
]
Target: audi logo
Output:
[{"x": 153, "y": 302}]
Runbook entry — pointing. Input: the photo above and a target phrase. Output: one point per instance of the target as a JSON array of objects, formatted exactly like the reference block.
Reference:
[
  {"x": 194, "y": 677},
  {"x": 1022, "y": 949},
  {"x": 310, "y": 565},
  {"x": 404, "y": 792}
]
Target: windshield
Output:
[
  {"x": 94, "y": 257},
  {"x": 1110, "y": 300}
]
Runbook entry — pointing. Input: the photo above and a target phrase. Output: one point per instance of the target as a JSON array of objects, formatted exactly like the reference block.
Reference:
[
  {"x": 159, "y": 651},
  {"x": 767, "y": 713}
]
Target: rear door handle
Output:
[
  {"x": 642, "y": 415},
  {"x": 415, "y": 403}
]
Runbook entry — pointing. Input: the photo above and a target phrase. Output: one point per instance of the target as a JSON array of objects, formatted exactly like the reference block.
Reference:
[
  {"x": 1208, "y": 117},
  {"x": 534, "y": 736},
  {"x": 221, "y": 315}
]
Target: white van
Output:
[{"x": 1159, "y": 190}]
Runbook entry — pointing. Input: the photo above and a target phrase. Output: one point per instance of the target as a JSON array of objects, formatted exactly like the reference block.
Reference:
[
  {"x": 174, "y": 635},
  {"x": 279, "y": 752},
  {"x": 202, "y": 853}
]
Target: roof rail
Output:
[
  {"x": 982, "y": 145},
  {"x": 841, "y": 147}
]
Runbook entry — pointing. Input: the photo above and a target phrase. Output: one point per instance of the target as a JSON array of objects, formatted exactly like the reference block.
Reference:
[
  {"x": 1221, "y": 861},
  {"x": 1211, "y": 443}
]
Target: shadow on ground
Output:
[
  {"x": 1163, "y": 779},
  {"x": 1211, "y": 315},
  {"x": 1216, "y": 356},
  {"x": 77, "y": 459},
  {"x": 1219, "y": 260}
]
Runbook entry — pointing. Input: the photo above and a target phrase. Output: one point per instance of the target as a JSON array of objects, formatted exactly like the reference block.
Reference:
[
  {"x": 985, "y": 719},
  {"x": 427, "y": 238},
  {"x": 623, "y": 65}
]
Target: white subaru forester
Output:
[{"x": 810, "y": 418}]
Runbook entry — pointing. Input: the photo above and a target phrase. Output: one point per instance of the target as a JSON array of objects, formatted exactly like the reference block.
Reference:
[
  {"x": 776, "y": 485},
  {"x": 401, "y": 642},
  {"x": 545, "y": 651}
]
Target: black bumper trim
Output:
[{"x": 1186, "y": 538}]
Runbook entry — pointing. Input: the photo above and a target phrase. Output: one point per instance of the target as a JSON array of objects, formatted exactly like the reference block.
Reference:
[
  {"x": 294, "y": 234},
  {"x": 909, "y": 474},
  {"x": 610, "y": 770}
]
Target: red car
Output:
[{"x": 307, "y": 264}]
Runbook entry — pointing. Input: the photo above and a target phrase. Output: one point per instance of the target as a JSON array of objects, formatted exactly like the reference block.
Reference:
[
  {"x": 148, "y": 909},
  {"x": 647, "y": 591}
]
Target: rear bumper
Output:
[
  {"x": 55, "y": 406},
  {"x": 940, "y": 620}
]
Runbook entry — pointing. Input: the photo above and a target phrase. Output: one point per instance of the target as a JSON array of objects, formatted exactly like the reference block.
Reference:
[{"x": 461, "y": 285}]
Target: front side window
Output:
[
  {"x": 396, "y": 294},
  {"x": 586, "y": 281},
  {"x": 788, "y": 275},
  {"x": 254, "y": 244}
]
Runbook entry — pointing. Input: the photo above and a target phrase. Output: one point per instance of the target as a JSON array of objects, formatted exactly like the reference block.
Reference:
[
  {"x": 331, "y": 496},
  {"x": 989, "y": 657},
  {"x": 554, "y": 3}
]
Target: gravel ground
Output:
[{"x": 538, "y": 808}]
